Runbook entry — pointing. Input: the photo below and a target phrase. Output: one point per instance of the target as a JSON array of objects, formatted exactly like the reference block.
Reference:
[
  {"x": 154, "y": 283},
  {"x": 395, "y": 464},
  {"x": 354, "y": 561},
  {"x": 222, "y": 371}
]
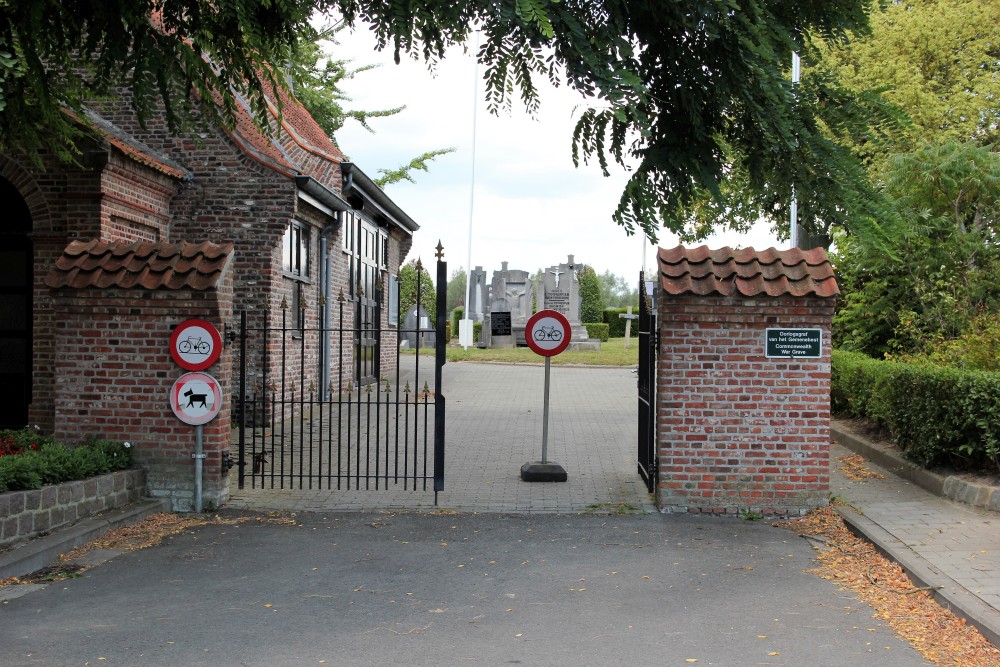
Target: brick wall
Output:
[
  {"x": 114, "y": 373},
  {"x": 737, "y": 431}
]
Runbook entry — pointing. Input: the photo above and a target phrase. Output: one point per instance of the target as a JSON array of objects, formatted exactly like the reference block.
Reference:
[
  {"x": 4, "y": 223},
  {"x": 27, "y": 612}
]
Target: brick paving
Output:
[{"x": 494, "y": 425}]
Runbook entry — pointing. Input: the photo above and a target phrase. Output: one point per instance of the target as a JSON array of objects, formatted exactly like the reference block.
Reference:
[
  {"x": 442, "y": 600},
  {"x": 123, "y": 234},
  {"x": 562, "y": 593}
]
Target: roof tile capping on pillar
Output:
[{"x": 738, "y": 428}]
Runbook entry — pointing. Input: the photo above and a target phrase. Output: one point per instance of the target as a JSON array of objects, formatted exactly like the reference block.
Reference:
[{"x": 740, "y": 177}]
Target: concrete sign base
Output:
[{"x": 536, "y": 471}]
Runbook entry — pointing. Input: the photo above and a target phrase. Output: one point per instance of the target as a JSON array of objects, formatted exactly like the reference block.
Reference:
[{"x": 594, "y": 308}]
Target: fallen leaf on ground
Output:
[{"x": 937, "y": 633}]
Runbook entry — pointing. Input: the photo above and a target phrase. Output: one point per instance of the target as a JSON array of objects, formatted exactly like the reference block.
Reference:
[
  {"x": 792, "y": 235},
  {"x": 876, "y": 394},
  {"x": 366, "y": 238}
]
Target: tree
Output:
[
  {"x": 939, "y": 273},
  {"x": 457, "y": 288},
  {"x": 591, "y": 305},
  {"x": 192, "y": 59},
  {"x": 938, "y": 60},
  {"x": 317, "y": 80},
  {"x": 409, "y": 278},
  {"x": 682, "y": 92},
  {"x": 617, "y": 291}
]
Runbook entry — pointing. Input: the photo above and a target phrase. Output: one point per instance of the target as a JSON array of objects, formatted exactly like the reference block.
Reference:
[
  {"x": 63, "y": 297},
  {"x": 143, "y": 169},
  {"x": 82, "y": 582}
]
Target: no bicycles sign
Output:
[
  {"x": 548, "y": 332},
  {"x": 195, "y": 345}
]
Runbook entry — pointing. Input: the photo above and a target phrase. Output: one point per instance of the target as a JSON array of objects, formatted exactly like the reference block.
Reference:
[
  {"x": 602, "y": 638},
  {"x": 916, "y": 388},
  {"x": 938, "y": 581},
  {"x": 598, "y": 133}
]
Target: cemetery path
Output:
[{"x": 494, "y": 426}]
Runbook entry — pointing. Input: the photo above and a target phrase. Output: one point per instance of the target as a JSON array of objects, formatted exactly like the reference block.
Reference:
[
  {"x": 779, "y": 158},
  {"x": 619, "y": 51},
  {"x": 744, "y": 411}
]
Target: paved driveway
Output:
[{"x": 494, "y": 425}]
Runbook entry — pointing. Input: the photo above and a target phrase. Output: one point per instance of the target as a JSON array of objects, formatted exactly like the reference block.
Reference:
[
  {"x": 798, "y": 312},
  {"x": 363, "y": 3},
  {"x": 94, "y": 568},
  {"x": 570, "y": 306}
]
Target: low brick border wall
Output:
[{"x": 28, "y": 514}]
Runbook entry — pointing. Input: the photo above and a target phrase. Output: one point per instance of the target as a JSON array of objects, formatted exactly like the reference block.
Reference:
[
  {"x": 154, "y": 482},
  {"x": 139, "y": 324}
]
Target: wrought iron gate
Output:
[
  {"x": 648, "y": 342},
  {"x": 352, "y": 434}
]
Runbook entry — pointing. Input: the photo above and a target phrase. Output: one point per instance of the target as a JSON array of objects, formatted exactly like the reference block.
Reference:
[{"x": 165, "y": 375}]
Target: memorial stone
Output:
[
  {"x": 478, "y": 295},
  {"x": 511, "y": 293},
  {"x": 560, "y": 291},
  {"x": 417, "y": 323}
]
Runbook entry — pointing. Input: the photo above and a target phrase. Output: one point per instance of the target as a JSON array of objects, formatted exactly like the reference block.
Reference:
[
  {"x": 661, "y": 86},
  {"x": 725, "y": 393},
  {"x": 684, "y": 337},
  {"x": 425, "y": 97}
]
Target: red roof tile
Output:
[
  {"x": 141, "y": 265},
  {"x": 747, "y": 271}
]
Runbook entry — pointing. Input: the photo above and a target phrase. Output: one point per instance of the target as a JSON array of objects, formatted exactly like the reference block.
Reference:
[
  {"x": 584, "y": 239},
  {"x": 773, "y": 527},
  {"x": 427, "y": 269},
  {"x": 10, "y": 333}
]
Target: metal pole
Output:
[
  {"x": 545, "y": 413},
  {"x": 199, "y": 457},
  {"x": 472, "y": 199},
  {"x": 793, "y": 236}
]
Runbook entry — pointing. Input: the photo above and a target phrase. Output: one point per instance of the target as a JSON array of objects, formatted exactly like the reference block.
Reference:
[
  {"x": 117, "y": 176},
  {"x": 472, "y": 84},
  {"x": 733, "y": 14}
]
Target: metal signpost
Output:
[
  {"x": 196, "y": 398},
  {"x": 547, "y": 333}
]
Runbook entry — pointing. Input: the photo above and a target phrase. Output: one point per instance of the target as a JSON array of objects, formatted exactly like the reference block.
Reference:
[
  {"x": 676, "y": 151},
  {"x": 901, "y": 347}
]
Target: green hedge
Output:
[
  {"x": 456, "y": 317},
  {"x": 616, "y": 325},
  {"x": 937, "y": 415},
  {"x": 599, "y": 331},
  {"x": 54, "y": 463}
]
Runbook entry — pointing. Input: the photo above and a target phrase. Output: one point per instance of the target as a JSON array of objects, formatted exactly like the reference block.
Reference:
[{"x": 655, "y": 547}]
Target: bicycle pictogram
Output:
[
  {"x": 193, "y": 345},
  {"x": 548, "y": 333}
]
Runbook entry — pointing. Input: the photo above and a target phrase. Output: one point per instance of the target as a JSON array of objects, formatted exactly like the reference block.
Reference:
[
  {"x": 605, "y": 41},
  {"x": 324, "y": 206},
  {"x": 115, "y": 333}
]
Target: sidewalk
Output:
[{"x": 939, "y": 542}]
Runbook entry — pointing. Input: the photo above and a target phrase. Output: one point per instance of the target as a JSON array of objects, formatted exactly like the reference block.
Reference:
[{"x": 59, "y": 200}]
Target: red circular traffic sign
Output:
[
  {"x": 196, "y": 398},
  {"x": 195, "y": 345},
  {"x": 548, "y": 332}
]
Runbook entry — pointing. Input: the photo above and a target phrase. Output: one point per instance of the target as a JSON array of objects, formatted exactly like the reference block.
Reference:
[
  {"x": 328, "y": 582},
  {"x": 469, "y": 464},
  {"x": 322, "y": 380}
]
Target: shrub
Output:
[
  {"x": 477, "y": 331},
  {"x": 616, "y": 325},
  {"x": 54, "y": 463},
  {"x": 599, "y": 331},
  {"x": 456, "y": 317},
  {"x": 937, "y": 415}
]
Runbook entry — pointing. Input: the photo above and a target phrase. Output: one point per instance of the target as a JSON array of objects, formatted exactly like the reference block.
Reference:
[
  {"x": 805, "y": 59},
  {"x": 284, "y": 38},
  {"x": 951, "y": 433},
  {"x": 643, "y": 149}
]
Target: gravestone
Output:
[
  {"x": 417, "y": 318},
  {"x": 560, "y": 290},
  {"x": 511, "y": 293},
  {"x": 478, "y": 295}
]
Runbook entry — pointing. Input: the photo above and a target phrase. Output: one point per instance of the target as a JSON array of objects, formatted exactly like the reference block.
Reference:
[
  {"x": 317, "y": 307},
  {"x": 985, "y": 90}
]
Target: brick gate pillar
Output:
[
  {"x": 739, "y": 428},
  {"x": 115, "y": 306}
]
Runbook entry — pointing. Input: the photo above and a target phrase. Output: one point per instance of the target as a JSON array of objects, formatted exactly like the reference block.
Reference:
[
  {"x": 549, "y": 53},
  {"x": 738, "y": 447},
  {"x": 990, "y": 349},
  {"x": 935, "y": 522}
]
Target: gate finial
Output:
[{"x": 440, "y": 250}]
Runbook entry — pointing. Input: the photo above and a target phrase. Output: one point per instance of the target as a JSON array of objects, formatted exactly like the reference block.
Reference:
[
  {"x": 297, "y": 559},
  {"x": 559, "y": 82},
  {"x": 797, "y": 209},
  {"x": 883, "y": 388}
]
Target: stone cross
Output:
[
  {"x": 557, "y": 273},
  {"x": 628, "y": 317}
]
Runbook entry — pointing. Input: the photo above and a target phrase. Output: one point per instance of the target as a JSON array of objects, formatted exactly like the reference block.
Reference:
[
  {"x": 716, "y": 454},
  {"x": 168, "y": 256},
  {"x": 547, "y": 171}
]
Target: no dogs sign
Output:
[{"x": 196, "y": 398}]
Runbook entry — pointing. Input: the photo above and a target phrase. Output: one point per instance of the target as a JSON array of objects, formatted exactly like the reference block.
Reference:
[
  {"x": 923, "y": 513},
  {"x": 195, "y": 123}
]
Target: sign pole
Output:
[
  {"x": 199, "y": 458},
  {"x": 547, "y": 333},
  {"x": 545, "y": 413}
]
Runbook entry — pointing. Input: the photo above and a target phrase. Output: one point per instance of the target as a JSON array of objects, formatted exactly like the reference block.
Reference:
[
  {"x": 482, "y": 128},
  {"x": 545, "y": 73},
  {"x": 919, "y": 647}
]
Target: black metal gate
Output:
[
  {"x": 363, "y": 430},
  {"x": 648, "y": 343}
]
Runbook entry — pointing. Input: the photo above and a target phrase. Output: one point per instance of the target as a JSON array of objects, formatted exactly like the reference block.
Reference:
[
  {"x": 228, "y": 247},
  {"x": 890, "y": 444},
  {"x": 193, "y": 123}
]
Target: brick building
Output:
[
  {"x": 737, "y": 428},
  {"x": 100, "y": 260}
]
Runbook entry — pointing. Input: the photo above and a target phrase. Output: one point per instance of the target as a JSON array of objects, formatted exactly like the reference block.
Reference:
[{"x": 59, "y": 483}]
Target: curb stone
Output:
[
  {"x": 952, "y": 487},
  {"x": 43, "y": 551}
]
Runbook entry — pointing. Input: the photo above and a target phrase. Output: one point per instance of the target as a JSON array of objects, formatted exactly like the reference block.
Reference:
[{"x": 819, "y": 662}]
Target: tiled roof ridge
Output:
[
  {"x": 746, "y": 271},
  {"x": 141, "y": 265}
]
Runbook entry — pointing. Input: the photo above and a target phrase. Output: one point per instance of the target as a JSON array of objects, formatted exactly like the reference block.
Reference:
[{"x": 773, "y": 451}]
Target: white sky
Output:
[{"x": 530, "y": 206}]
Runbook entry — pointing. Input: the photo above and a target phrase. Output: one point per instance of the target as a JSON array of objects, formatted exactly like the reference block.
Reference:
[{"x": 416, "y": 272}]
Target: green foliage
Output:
[
  {"x": 591, "y": 304},
  {"x": 616, "y": 324},
  {"x": 936, "y": 60},
  {"x": 477, "y": 331},
  {"x": 409, "y": 278},
  {"x": 937, "y": 415},
  {"x": 53, "y": 463},
  {"x": 618, "y": 291},
  {"x": 458, "y": 284},
  {"x": 691, "y": 95},
  {"x": 936, "y": 269},
  {"x": 682, "y": 92},
  {"x": 598, "y": 331},
  {"x": 318, "y": 78},
  {"x": 977, "y": 349},
  {"x": 456, "y": 316},
  {"x": 59, "y": 56}
]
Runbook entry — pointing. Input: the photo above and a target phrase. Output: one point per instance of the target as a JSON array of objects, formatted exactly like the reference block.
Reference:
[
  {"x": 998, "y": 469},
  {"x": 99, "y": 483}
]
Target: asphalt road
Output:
[{"x": 455, "y": 589}]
